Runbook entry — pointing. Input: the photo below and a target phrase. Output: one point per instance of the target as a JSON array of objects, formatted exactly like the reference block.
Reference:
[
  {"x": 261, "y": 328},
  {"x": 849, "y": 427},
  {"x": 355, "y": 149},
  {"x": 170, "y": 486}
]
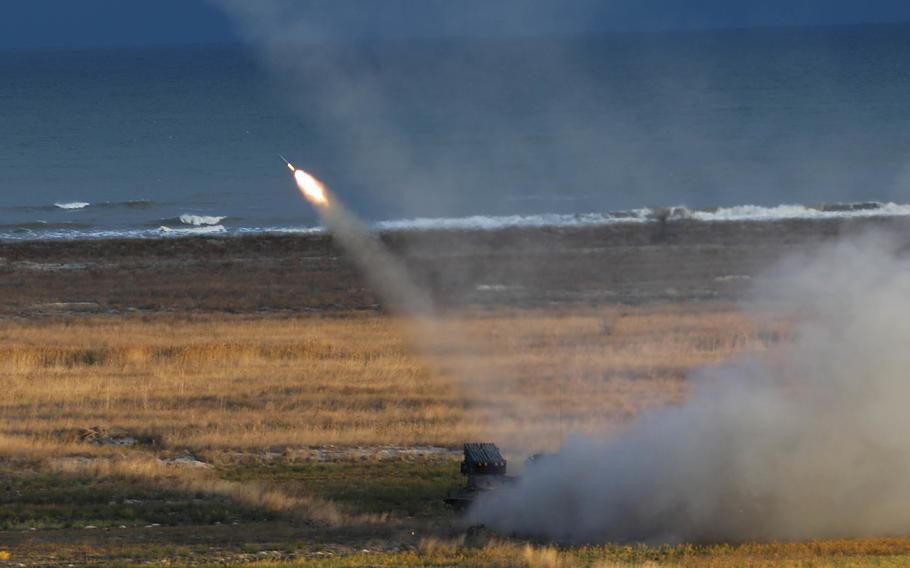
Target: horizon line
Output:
[{"x": 239, "y": 42}]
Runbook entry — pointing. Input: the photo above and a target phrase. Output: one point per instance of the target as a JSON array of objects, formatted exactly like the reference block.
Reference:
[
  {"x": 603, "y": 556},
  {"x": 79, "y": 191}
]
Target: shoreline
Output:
[
  {"x": 224, "y": 225},
  {"x": 680, "y": 260}
]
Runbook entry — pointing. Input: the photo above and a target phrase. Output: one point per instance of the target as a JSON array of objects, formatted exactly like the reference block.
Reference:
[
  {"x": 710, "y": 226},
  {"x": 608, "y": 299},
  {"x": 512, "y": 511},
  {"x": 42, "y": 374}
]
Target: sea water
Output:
[{"x": 449, "y": 133}]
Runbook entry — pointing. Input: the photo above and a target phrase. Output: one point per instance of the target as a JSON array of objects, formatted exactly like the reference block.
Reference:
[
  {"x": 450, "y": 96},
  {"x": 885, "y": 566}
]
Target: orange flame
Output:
[{"x": 312, "y": 188}]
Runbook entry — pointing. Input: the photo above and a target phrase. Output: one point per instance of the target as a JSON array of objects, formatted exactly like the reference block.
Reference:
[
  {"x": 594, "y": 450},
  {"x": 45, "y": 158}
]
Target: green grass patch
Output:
[
  {"x": 402, "y": 488},
  {"x": 45, "y": 501}
]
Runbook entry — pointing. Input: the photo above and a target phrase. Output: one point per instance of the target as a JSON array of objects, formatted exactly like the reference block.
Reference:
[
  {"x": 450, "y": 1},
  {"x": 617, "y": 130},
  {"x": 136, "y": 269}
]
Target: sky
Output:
[{"x": 28, "y": 24}]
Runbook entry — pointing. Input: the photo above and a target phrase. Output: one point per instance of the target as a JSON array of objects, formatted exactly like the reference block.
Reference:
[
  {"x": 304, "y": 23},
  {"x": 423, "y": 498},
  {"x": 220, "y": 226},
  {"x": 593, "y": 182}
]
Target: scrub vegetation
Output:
[
  {"x": 197, "y": 439},
  {"x": 219, "y": 383}
]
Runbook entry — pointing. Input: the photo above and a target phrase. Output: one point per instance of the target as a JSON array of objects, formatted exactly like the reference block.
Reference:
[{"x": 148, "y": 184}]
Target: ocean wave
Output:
[
  {"x": 72, "y": 205},
  {"x": 280, "y": 230},
  {"x": 77, "y": 205},
  {"x": 740, "y": 213},
  {"x": 487, "y": 223},
  {"x": 200, "y": 220},
  {"x": 68, "y": 233},
  {"x": 187, "y": 224},
  {"x": 796, "y": 212},
  {"x": 206, "y": 230}
]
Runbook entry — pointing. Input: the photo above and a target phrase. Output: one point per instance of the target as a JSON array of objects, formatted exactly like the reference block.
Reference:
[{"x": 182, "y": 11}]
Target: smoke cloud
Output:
[{"x": 809, "y": 440}]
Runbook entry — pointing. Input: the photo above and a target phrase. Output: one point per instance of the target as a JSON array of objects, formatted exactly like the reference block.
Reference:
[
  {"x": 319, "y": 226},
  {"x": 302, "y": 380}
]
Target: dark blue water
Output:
[{"x": 451, "y": 128}]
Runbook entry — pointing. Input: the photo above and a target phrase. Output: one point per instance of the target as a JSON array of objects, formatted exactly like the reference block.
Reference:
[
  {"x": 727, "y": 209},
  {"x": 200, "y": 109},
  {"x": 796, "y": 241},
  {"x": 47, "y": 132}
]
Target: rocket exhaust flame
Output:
[
  {"x": 310, "y": 187},
  {"x": 386, "y": 273}
]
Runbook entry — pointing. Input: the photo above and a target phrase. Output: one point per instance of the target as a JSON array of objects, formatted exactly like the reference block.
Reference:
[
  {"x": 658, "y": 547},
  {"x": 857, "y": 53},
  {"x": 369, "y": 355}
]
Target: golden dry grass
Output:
[
  {"x": 215, "y": 383},
  {"x": 253, "y": 383},
  {"x": 500, "y": 553}
]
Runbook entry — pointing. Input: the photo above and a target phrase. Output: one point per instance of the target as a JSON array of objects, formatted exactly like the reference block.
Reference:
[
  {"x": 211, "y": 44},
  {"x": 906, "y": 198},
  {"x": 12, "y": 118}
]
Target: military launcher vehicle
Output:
[{"x": 484, "y": 469}]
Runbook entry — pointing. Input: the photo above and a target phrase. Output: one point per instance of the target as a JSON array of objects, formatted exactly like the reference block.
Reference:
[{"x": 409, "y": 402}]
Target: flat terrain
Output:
[
  {"x": 264, "y": 384},
  {"x": 219, "y": 401},
  {"x": 314, "y": 434},
  {"x": 627, "y": 264}
]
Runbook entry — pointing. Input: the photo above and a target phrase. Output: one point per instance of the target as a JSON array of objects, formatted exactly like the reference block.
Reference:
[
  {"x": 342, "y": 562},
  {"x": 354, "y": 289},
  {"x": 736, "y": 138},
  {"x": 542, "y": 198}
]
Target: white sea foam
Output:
[
  {"x": 635, "y": 216},
  {"x": 783, "y": 212},
  {"x": 205, "y": 230},
  {"x": 282, "y": 230},
  {"x": 203, "y": 224},
  {"x": 483, "y": 222},
  {"x": 72, "y": 205},
  {"x": 200, "y": 220}
]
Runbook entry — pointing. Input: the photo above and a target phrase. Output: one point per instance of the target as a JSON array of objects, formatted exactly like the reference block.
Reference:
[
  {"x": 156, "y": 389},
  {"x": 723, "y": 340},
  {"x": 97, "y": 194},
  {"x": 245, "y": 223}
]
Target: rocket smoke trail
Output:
[
  {"x": 390, "y": 279},
  {"x": 385, "y": 273}
]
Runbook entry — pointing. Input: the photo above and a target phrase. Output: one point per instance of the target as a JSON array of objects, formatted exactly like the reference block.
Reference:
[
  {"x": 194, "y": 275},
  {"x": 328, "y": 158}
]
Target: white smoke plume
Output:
[
  {"x": 388, "y": 276},
  {"x": 811, "y": 440}
]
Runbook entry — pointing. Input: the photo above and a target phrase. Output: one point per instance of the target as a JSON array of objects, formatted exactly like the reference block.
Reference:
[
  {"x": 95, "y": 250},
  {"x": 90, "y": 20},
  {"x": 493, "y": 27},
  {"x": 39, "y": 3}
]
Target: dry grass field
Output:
[
  {"x": 256, "y": 398},
  {"x": 246, "y": 383},
  {"x": 225, "y": 401}
]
